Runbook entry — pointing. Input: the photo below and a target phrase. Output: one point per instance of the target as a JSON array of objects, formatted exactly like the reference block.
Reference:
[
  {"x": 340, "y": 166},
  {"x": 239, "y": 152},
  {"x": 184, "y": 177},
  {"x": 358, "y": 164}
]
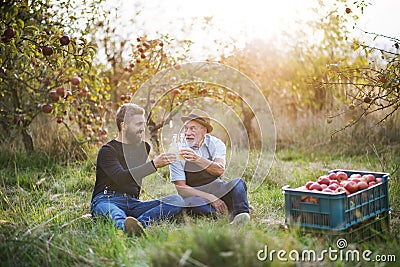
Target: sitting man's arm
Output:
[{"x": 215, "y": 167}]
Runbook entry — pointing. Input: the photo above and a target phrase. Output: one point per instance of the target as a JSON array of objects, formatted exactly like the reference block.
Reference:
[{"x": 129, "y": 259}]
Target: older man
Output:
[
  {"x": 121, "y": 166},
  {"x": 197, "y": 177}
]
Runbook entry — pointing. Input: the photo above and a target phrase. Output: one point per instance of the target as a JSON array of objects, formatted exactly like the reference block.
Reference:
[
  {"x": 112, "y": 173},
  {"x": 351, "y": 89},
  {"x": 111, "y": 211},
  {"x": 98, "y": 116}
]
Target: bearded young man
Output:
[
  {"x": 121, "y": 165},
  {"x": 197, "y": 178}
]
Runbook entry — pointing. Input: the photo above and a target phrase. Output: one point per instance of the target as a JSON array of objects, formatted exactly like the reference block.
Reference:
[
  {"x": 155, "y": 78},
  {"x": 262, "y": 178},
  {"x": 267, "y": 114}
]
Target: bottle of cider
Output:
[
  {"x": 173, "y": 147},
  {"x": 181, "y": 144}
]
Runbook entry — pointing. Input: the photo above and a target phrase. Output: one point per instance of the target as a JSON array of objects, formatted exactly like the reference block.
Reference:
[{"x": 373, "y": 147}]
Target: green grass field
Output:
[{"x": 45, "y": 222}]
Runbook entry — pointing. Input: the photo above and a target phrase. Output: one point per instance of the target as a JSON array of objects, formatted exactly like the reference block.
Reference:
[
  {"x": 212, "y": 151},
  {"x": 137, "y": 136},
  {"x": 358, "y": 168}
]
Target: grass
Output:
[{"x": 44, "y": 222}]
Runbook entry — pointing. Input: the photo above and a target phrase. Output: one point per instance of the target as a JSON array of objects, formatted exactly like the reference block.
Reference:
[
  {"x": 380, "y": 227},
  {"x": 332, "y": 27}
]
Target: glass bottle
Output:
[
  {"x": 173, "y": 147},
  {"x": 181, "y": 144}
]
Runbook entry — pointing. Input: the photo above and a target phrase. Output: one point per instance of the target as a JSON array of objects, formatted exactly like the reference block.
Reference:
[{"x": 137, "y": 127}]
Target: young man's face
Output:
[
  {"x": 194, "y": 133},
  {"x": 133, "y": 129}
]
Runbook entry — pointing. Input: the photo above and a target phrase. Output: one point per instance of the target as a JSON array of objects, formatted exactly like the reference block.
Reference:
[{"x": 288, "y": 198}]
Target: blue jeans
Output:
[
  {"x": 118, "y": 206},
  {"x": 233, "y": 193}
]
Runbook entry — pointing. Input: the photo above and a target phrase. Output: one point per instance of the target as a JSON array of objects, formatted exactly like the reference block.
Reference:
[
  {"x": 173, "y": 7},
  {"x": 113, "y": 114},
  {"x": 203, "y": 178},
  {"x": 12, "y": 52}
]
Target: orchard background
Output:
[{"x": 65, "y": 69}]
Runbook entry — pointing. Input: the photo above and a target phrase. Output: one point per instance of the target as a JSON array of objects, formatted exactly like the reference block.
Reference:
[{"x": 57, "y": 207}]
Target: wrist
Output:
[{"x": 154, "y": 165}]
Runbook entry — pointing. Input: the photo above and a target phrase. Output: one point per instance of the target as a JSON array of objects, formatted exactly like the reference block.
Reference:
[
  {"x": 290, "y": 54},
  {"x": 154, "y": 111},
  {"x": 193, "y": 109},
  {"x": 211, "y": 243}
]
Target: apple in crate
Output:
[
  {"x": 369, "y": 177},
  {"x": 315, "y": 186},
  {"x": 333, "y": 182},
  {"x": 351, "y": 186},
  {"x": 323, "y": 180},
  {"x": 308, "y": 184},
  {"x": 333, "y": 186},
  {"x": 362, "y": 185},
  {"x": 341, "y": 176},
  {"x": 355, "y": 175},
  {"x": 332, "y": 176},
  {"x": 327, "y": 190}
]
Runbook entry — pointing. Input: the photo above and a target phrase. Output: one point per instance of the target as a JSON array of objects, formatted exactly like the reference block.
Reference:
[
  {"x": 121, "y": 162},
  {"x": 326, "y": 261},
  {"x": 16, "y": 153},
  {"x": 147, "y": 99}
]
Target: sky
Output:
[{"x": 240, "y": 21}]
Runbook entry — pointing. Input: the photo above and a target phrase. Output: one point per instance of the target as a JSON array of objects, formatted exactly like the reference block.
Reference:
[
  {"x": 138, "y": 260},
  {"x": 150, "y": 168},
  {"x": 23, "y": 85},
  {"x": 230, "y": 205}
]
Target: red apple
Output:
[
  {"x": 47, "y": 50},
  {"x": 372, "y": 183},
  {"x": 60, "y": 91},
  {"x": 344, "y": 183},
  {"x": 146, "y": 44},
  {"x": 378, "y": 180},
  {"x": 340, "y": 189},
  {"x": 332, "y": 176},
  {"x": 362, "y": 185},
  {"x": 369, "y": 177},
  {"x": 327, "y": 190},
  {"x": 333, "y": 186},
  {"x": 54, "y": 96},
  {"x": 324, "y": 186},
  {"x": 64, "y": 40},
  {"x": 9, "y": 33},
  {"x": 84, "y": 90},
  {"x": 76, "y": 80},
  {"x": 341, "y": 176},
  {"x": 176, "y": 91},
  {"x": 367, "y": 99},
  {"x": 323, "y": 180},
  {"x": 355, "y": 175},
  {"x": 47, "y": 108},
  {"x": 351, "y": 187},
  {"x": 308, "y": 184},
  {"x": 59, "y": 120},
  {"x": 333, "y": 182},
  {"x": 315, "y": 186},
  {"x": 356, "y": 180}
]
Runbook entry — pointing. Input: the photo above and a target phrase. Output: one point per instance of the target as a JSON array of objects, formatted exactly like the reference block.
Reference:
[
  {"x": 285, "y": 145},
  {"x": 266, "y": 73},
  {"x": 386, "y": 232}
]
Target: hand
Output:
[
  {"x": 188, "y": 154},
  {"x": 164, "y": 159},
  {"x": 219, "y": 205}
]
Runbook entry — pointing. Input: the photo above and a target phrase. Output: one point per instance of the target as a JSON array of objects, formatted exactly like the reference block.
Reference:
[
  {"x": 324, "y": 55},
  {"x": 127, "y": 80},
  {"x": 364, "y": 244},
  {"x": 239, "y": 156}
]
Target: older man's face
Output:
[
  {"x": 133, "y": 129},
  {"x": 194, "y": 133}
]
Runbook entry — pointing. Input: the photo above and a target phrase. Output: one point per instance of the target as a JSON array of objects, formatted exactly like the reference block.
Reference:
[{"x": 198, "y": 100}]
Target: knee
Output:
[
  {"x": 174, "y": 200},
  {"x": 195, "y": 201},
  {"x": 240, "y": 184}
]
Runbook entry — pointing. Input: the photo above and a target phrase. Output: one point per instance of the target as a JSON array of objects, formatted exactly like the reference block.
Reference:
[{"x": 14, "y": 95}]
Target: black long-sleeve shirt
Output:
[{"x": 121, "y": 167}]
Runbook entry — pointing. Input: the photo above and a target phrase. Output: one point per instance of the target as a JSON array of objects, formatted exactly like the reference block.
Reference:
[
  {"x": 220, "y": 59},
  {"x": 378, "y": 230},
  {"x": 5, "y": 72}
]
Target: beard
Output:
[
  {"x": 191, "y": 141},
  {"x": 133, "y": 137}
]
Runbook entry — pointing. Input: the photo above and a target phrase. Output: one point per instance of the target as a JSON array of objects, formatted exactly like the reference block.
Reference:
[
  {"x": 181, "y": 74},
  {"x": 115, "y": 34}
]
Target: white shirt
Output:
[{"x": 216, "y": 147}]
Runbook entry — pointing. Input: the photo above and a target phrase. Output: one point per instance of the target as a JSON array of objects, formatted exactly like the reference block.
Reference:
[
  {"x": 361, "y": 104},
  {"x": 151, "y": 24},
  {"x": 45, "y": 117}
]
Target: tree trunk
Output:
[
  {"x": 254, "y": 139},
  {"x": 153, "y": 130},
  {"x": 27, "y": 140}
]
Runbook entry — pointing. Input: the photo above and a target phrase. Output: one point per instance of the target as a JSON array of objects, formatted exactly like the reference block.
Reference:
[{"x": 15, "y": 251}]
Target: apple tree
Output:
[
  {"x": 47, "y": 69},
  {"x": 373, "y": 89},
  {"x": 149, "y": 57}
]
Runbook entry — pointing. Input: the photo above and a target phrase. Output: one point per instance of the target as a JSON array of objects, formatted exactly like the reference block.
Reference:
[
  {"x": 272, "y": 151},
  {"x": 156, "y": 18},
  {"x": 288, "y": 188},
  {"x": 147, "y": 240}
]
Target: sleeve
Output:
[
  {"x": 220, "y": 149},
  {"x": 108, "y": 161},
  {"x": 176, "y": 171}
]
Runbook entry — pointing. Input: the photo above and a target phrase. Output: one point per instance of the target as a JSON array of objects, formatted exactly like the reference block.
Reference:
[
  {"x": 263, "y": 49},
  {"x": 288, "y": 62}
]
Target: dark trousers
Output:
[{"x": 233, "y": 193}]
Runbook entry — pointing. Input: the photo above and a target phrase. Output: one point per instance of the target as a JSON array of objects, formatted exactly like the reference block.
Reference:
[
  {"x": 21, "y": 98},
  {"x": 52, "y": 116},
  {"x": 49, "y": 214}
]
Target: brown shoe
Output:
[{"x": 133, "y": 226}]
